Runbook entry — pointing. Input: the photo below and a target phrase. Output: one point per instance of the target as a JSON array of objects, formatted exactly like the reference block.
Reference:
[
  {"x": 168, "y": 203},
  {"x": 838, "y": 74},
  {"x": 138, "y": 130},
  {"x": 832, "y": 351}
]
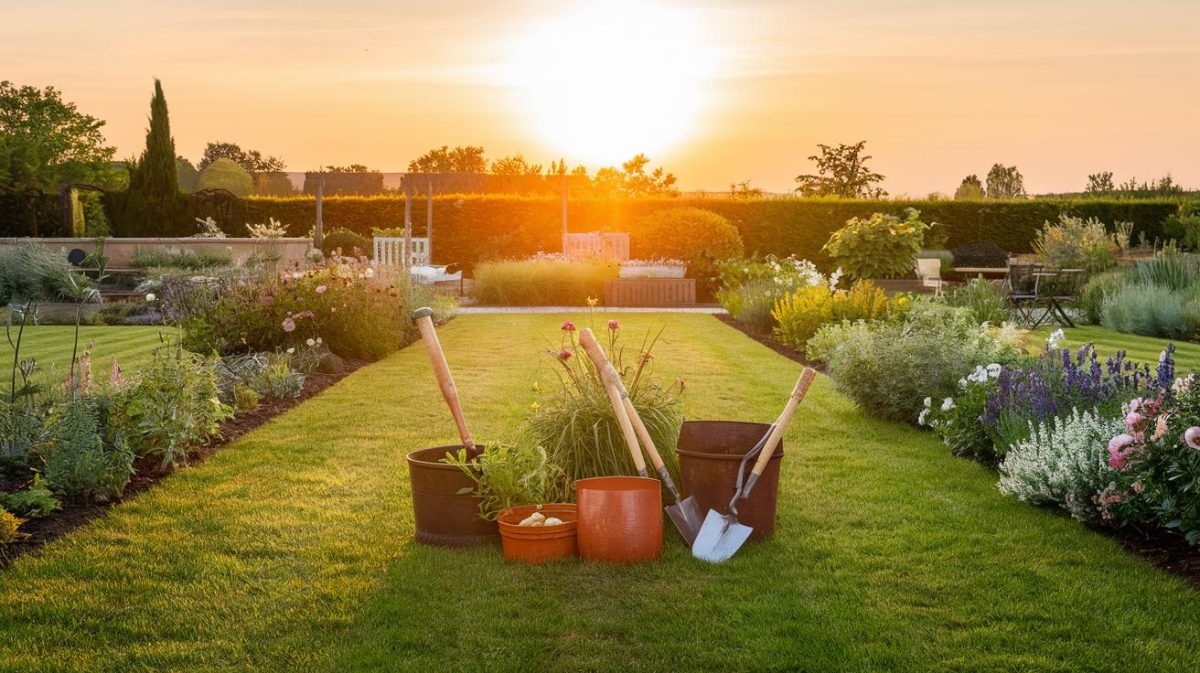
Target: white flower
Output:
[
  {"x": 369, "y": 273},
  {"x": 835, "y": 277},
  {"x": 928, "y": 402},
  {"x": 150, "y": 296},
  {"x": 291, "y": 350},
  {"x": 962, "y": 383},
  {"x": 993, "y": 370},
  {"x": 921, "y": 418},
  {"x": 310, "y": 343},
  {"x": 948, "y": 404},
  {"x": 1055, "y": 339},
  {"x": 318, "y": 339}
]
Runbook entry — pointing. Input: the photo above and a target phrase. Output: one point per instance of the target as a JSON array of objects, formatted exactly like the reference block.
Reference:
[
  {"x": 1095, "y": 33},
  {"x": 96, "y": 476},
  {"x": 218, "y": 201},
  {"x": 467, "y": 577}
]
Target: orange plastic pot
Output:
[
  {"x": 620, "y": 519},
  {"x": 537, "y": 544}
]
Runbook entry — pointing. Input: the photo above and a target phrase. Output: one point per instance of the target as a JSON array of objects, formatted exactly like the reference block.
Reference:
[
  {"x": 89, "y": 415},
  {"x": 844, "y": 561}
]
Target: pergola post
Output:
[
  {"x": 407, "y": 252},
  {"x": 429, "y": 218},
  {"x": 319, "y": 228}
]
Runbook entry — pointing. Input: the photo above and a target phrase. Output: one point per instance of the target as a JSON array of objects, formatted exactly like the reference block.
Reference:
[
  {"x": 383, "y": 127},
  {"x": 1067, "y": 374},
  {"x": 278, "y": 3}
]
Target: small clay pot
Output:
[
  {"x": 620, "y": 519},
  {"x": 537, "y": 544}
]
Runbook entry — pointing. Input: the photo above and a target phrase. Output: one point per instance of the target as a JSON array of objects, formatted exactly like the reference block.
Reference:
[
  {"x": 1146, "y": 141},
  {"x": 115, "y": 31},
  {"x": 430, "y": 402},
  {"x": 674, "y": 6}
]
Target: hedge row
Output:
[
  {"x": 23, "y": 214},
  {"x": 468, "y": 229}
]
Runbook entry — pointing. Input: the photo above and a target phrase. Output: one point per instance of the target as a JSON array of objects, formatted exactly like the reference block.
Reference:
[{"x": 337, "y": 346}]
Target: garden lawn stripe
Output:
[
  {"x": 1141, "y": 348},
  {"x": 292, "y": 548},
  {"x": 51, "y": 346}
]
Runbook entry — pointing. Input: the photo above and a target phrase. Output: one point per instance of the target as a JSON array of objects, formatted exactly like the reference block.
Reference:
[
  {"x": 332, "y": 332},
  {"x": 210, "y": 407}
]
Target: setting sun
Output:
[{"x": 605, "y": 81}]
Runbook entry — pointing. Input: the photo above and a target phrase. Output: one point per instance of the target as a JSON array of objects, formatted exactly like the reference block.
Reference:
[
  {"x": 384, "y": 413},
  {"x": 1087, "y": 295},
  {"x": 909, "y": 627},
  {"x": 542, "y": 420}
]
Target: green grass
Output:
[
  {"x": 1141, "y": 348},
  {"x": 291, "y": 550},
  {"x": 51, "y": 346}
]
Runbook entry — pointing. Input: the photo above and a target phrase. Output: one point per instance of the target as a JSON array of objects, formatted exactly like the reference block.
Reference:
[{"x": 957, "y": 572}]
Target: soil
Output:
[
  {"x": 149, "y": 470},
  {"x": 1163, "y": 550}
]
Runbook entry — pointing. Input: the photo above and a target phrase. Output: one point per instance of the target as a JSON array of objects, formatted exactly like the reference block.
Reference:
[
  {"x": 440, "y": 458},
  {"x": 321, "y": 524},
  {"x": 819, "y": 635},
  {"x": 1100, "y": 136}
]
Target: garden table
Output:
[{"x": 1060, "y": 279}]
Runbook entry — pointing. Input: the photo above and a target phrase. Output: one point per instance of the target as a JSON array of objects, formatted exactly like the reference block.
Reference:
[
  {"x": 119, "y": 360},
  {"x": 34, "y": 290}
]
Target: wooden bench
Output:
[{"x": 656, "y": 292}]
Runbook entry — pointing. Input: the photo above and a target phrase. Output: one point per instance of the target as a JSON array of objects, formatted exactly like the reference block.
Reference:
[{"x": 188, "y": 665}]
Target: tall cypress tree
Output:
[{"x": 154, "y": 205}]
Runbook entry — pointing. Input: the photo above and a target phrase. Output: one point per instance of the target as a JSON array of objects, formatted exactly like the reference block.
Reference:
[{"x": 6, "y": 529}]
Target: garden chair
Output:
[
  {"x": 1026, "y": 303},
  {"x": 1060, "y": 289},
  {"x": 929, "y": 272}
]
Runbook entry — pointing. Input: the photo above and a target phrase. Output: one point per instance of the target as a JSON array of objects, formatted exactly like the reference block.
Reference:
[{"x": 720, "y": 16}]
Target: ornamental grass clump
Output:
[
  {"x": 543, "y": 280},
  {"x": 574, "y": 420}
]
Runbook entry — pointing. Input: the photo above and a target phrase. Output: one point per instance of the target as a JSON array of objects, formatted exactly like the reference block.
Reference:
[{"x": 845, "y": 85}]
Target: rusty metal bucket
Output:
[
  {"x": 709, "y": 455},
  {"x": 443, "y": 513}
]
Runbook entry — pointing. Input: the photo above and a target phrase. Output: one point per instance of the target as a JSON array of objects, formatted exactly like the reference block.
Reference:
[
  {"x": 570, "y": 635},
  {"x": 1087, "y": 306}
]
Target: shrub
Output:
[
  {"x": 506, "y": 476},
  {"x": 347, "y": 242},
  {"x": 802, "y": 313},
  {"x": 339, "y": 302},
  {"x": 889, "y": 367},
  {"x": 1152, "y": 311},
  {"x": 546, "y": 280},
  {"x": 1075, "y": 243},
  {"x": 879, "y": 246},
  {"x": 228, "y": 175},
  {"x": 35, "y": 501},
  {"x": 1184, "y": 226},
  {"x": 172, "y": 406},
  {"x": 9, "y": 527},
  {"x": 82, "y": 459},
  {"x": 750, "y": 288},
  {"x": 574, "y": 421},
  {"x": 699, "y": 237},
  {"x": 245, "y": 399},
  {"x": 1063, "y": 463},
  {"x": 1098, "y": 288},
  {"x": 984, "y": 298},
  {"x": 162, "y": 258},
  {"x": 1169, "y": 270}
]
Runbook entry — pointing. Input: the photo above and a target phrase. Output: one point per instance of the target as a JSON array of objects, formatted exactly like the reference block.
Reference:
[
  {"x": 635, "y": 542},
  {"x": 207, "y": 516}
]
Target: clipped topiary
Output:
[
  {"x": 227, "y": 174},
  {"x": 347, "y": 241},
  {"x": 699, "y": 237}
]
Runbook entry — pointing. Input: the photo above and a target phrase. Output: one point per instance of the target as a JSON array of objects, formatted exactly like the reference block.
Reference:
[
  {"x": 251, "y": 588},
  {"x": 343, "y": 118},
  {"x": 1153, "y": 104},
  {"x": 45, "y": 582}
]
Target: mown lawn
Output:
[
  {"x": 51, "y": 346},
  {"x": 1141, "y": 348},
  {"x": 291, "y": 550}
]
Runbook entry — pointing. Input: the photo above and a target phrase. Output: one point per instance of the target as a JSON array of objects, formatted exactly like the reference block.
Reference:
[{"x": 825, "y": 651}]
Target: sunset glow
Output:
[{"x": 602, "y": 82}]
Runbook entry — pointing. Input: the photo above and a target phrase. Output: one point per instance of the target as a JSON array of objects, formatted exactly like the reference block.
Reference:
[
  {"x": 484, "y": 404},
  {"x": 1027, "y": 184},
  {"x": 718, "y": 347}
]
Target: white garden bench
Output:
[
  {"x": 604, "y": 246},
  {"x": 389, "y": 255}
]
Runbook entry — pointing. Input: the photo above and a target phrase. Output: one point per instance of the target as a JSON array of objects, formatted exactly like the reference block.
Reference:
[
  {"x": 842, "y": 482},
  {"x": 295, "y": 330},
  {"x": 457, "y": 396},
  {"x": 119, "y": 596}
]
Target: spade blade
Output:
[
  {"x": 720, "y": 537},
  {"x": 687, "y": 518}
]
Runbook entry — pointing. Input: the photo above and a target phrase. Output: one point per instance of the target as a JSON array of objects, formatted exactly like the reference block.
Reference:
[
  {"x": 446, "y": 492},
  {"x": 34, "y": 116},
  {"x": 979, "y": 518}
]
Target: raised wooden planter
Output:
[{"x": 650, "y": 292}]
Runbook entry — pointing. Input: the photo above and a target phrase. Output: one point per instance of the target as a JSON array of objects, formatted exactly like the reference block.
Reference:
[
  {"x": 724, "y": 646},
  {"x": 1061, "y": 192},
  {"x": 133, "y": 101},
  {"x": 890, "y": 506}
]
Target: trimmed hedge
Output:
[
  {"x": 31, "y": 214},
  {"x": 470, "y": 228}
]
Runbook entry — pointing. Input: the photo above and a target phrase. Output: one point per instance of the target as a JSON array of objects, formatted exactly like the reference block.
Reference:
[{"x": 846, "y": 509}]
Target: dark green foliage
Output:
[
  {"x": 45, "y": 141},
  {"x": 35, "y": 501},
  {"x": 154, "y": 204},
  {"x": 189, "y": 177},
  {"x": 984, "y": 297},
  {"x": 1091, "y": 297},
  {"x": 80, "y": 461},
  {"x": 344, "y": 180},
  {"x": 346, "y": 241},
  {"x": 1184, "y": 227},
  {"x": 30, "y": 214},
  {"x": 980, "y": 255}
]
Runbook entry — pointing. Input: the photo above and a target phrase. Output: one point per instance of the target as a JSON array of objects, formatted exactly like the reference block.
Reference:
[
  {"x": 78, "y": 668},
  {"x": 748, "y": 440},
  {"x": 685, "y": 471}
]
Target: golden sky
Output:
[{"x": 716, "y": 91}]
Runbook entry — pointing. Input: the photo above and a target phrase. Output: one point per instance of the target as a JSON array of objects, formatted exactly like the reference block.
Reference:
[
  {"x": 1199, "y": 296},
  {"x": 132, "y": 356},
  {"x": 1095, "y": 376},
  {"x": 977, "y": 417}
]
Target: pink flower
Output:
[
  {"x": 614, "y": 325},
  {"x": 1160, "y": 427},
  {"x": 1191, "y": 437},
  {"x": 289, "y": 325},
  {"x": 321, "y": 289},
  {"x": 568, "y": 326},
  {"x": 564, "y": 355},
  {"x": 1135, "y": 422},
  {"x": 1119, "y": 448}
]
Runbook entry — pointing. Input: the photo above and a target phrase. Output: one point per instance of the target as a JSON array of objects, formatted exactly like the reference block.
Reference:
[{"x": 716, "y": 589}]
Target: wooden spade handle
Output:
[
  {"x": 616, "y": 396},
  {"x": 798, "y": 393},
  {"x": 424, "y": 319}
]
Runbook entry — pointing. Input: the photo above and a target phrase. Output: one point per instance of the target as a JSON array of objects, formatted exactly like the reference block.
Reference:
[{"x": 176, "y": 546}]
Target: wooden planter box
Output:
[{"x": 650, "y": 292}]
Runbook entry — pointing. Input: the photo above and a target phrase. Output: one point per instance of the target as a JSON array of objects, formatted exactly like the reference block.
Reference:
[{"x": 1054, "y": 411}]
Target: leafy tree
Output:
[
  {"x": 45, "y": 141},
  {"x": 154, "y": 205},
  {"x": 608, "y": 182},
  {"x": 743, "y": 190},
  {"x": 227, "y": 174},
  {"x": 640, "y": 183},
  {"x": 841, "y": 171},
  {"x": 1100, "y": 183},
  {"x": 1164, "y": 186},
  {"x": 468, "y": 159},
  {"x": 1005, "y": 182},
  {"x": 189, "y": 177},
  {"x": 516, "y": 165},
  {"x": 251, "y": 160},
  {"x": 352, "y": 168},
  {"x": 970, "y": 188}
]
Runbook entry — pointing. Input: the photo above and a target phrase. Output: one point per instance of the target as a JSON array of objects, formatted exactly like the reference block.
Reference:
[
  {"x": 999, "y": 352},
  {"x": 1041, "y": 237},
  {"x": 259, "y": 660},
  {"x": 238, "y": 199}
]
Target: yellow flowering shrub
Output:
[{"x": 800, "y": 314}]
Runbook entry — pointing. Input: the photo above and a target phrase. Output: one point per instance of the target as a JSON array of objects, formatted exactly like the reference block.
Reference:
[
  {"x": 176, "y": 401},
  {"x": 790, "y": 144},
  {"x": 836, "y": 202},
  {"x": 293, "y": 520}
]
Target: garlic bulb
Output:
[
  {"x": 535, "y": 519},
  {"x": 553, "y": 521}
]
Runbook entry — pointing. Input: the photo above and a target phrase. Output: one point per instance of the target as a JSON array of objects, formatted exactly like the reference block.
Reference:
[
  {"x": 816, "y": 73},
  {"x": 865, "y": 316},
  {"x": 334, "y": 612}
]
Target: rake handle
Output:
[
  {"x": 617, "y": 397},
  {"x": 441, "y": 369},
  {"x": 789, "y": 410}
]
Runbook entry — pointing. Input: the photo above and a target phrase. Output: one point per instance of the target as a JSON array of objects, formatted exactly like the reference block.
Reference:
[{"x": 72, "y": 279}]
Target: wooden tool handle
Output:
[
  {"x": 424, "y": 319},
  {"x": 798, "y": 393},
  {"x": 616, "y": 396}
]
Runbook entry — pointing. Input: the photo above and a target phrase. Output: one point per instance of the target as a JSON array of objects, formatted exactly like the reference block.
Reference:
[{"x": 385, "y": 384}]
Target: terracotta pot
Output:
[
  {"x": 709, "y": 454},
  {"x": 445, "y": 514},
  {"x": 620, "y": 519},
  {"x": 538, "y": 544}
]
